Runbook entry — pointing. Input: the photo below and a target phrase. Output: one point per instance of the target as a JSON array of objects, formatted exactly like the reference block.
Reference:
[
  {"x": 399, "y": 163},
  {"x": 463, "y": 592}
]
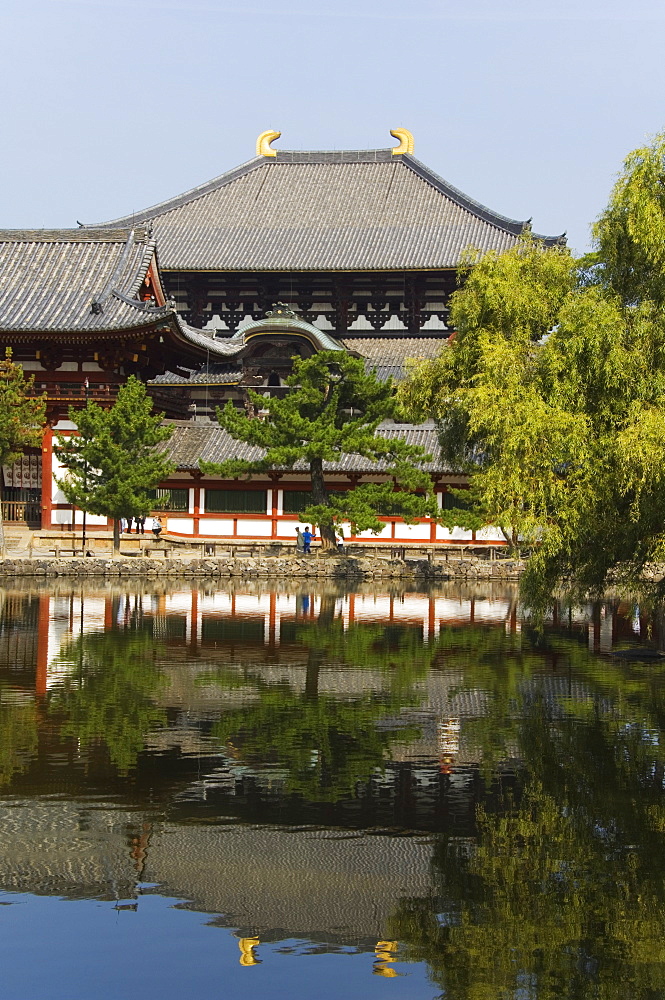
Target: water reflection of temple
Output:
[
  {"x": 262, "y": 625},
  {"x": 207, "y": 822}
]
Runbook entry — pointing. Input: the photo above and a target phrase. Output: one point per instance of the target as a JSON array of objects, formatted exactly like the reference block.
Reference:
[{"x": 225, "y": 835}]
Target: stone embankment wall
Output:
[{"x": 316, "y": 567}]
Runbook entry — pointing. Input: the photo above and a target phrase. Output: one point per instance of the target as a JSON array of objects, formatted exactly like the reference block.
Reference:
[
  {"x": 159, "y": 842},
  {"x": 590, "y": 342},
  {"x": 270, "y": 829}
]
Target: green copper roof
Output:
[{"x": 284, "y": 320}]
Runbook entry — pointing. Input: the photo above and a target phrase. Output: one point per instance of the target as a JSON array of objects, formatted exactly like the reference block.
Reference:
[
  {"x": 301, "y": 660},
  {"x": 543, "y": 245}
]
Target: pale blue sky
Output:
[{"x": 112, "y": 105}]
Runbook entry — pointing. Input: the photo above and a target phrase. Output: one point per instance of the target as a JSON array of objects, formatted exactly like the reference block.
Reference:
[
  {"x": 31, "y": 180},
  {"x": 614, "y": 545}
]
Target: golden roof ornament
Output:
[
  {"x": 405, "y": 140},
  {"x": 263, "y": 143}
]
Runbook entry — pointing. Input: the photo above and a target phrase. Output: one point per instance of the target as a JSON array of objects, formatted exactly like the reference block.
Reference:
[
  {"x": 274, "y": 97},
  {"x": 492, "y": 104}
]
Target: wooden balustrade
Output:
[{"x": 26, "y": 511}]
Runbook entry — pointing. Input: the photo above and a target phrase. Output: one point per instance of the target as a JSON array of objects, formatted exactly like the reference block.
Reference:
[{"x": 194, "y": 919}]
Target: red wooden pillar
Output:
[
  {"x": 197, "y": 508},
  {"x": 432, "y": 528},
  {"x": 47, "y": 476},
  {"x": 275, "y": 494}
]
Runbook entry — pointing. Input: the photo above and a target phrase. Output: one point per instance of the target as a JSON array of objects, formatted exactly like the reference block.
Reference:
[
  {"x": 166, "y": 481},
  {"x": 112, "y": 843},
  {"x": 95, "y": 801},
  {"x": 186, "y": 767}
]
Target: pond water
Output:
[{"x": 288, "y": 793}]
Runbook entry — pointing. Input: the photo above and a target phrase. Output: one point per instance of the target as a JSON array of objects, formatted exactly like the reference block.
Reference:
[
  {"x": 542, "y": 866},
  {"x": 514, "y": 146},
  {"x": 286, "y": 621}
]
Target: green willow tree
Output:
[
  {"x": 115, "y": 460},
  {"x": 334, "y": 408},
  {"x": 551, "y": 394},
  {"x": 21, "y": 417}
]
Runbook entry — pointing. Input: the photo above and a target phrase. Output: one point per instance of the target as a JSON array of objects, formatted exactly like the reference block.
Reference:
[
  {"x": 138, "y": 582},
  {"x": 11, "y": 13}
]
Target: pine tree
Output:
[
  {"x": 21, "y": 417},
  {"x": 114, "y": 460},
  {"x": 334, "y": 408}
]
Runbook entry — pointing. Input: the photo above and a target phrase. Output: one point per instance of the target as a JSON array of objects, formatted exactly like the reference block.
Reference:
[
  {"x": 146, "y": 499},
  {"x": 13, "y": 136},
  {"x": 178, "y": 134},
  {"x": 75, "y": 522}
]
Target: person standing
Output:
[
  {"x": 307, "y": 540},
  {"x": 129, "y": 525},
  {"x": 300, "y": 542},
  {"x": 140, "y": 525}
]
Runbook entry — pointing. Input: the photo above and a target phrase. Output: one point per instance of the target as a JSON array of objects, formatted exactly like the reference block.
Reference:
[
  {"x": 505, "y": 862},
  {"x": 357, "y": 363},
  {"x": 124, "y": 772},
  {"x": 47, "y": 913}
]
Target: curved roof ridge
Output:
[
  {"x": 275, "y": 323},
  {"x": 181, "y": 199},
  {"x": 514, "y": 226},
  {"x": 108, "y": 289},
  {"x": 223, "y": 348},
  {"x": 87, "y": 234}
]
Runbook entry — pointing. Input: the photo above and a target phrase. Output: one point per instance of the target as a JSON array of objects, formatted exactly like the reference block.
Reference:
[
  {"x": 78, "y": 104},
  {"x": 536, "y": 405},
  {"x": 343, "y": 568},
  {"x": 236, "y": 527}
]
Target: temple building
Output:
[{"x": 217, "y": 289}]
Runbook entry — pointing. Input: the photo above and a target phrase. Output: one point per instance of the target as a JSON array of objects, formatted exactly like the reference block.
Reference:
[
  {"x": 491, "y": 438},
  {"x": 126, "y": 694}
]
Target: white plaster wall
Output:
[
  {"x": 413, "y": 532},
  {"x": 98, "y": 519},
  {"x": 386, "y": 533},
  {"x": 253, "y": 528},
  {"x": 182, "y": 525},
  {"x": 220, "y": 526},
  {"x": 57, "y": 496}
]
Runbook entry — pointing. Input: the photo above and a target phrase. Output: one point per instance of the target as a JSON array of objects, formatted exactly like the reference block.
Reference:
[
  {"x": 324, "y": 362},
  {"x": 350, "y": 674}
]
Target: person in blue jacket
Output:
[{"x": 307, "y": 537}]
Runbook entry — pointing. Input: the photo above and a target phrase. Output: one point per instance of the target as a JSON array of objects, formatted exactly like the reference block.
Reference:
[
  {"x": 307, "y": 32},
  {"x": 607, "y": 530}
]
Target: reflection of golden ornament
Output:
[
  {"x": 385, "y": 954},
  {"x": 405, "y": 140},
  {"x": 247, "y": 946},
  {"x": 263, "y": 143}
]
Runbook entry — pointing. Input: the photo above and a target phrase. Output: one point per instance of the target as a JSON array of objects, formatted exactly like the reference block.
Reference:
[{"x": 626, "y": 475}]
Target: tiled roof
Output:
[
  {"x": 211, "y": 443},
  {"x": 387, "y": 355},
  {"x": 395, "y": 350},
  {"x": 350, "y": 210},
  {"x": 201, "y": 377},
  {"x": 74, "y": 280}
]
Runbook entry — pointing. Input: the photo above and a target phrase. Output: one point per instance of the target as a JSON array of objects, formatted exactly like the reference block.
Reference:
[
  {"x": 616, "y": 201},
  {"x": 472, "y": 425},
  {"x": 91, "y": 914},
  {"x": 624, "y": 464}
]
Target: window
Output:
[
  {"x": 295, "y": 501},
  {"x": 236, "y": 501},
  {"x": 170, "y": 499}
]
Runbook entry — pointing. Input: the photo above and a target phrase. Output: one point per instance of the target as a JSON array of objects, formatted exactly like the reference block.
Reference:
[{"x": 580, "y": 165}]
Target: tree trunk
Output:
[
  {"x": 116, "y": 535},
  {"x": 320, "y": 496}
]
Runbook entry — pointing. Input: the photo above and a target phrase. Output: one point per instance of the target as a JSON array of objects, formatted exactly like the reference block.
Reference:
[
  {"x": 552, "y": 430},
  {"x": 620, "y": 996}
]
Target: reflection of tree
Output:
[
  {"x": 328, "y": 744},
  {"x": 549, "y": 902},
  {"x": 563, "y": 893},
  {"x": 108, "y": 697},
  {"x": 18, "y": 737}
]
